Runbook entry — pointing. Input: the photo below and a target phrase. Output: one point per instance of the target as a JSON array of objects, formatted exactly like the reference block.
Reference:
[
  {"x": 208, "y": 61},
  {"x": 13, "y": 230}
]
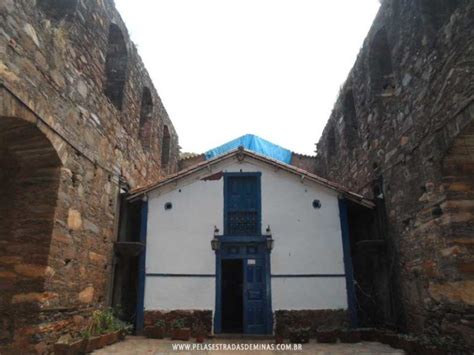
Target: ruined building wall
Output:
[
  {"x": 189, "y": 161},
  {"x": 403, "y": 122},
  {"x": 78, "y": 115},
  {"x": 302, "y": 161}
]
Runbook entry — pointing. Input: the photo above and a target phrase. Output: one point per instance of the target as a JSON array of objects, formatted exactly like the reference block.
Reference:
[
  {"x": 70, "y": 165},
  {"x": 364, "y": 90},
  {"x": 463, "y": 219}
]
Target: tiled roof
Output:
[{"x": 139, "y": 191}]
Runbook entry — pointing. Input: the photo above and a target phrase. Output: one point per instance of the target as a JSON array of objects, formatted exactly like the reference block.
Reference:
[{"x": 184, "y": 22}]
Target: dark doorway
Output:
[
  {"x": 127, "y": 253},
  {"x": 376, "y": 293},
  {"x": 232, "y": 300}
]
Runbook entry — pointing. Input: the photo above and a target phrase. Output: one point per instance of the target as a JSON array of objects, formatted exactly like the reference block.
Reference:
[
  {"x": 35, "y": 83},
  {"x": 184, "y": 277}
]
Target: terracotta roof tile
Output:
[{"x": 289, "y": 168}]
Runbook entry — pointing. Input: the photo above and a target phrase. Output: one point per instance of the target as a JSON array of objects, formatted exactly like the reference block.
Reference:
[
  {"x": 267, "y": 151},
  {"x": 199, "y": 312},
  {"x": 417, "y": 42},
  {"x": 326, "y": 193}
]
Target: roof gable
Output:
[{"x": 241, "y": 154}]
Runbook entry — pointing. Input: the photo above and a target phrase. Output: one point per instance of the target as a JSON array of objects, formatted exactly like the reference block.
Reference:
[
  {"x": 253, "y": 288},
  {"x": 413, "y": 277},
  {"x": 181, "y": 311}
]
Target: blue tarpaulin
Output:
[{"x": 255, "y": 144}]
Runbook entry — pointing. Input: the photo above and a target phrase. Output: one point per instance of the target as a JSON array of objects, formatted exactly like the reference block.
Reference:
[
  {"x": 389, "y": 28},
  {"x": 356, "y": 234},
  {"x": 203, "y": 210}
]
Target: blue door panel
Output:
[{"x": 254, "y": 296}]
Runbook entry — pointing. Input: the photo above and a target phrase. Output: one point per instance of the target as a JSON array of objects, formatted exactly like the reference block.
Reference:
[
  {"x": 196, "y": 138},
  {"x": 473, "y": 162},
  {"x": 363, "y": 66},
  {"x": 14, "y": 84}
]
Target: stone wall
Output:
[
  {"x": 402, "y": 131},
  {"x": 189, "y": 161},
  {"x": 286, "y": 320},
  {"x": 79, "y": 116},
  {"x": 302, "y": 161},
  {"x": 196, "y": 320}
]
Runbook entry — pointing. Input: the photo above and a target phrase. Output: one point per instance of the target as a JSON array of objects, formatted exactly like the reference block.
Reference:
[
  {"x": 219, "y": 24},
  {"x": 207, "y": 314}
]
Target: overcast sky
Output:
[{"x": 224, "y": 68}]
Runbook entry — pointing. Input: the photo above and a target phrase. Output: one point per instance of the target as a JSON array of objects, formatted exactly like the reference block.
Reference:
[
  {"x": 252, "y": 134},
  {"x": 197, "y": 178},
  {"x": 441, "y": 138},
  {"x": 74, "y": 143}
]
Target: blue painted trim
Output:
[
  {"x": 218, "y": 309},
  {"x": 241, "y": 239},
  {"x": 259, "y": 202},
  {"x": 268, "y": 300},
  {"x": 308, "y": 275},
  {"x": 179, "y": 275},
  {"x": 140, "y": 317},
  {"x": 245, "y": 327},
  {"x": 346, "y": 246},
  {"x": 244, "y": 173},
  {"x": 259, "y": 196},
  {"x": 226, "y": 182}
]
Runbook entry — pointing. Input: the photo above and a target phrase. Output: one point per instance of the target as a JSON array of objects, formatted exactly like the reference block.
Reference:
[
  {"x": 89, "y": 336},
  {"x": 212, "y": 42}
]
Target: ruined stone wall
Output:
[
  {"x": 305, "y": 162},
  {"x": 194, "y": 319},
  {"x": 188, "y": 162},
  {"x": 285, "y": 320},
  {"x": 78, "y": 114},
  {"x": 400, "y": 128}
]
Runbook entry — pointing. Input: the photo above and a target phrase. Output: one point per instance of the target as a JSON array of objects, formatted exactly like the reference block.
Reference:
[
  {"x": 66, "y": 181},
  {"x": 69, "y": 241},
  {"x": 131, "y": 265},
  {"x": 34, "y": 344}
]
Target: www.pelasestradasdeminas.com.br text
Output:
[{"x": 235, "y": 347}]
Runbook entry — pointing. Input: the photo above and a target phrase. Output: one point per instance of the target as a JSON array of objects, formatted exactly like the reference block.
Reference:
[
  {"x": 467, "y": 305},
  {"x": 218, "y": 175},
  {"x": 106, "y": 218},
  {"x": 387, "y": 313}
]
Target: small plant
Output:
[
  {"x": 160, "y": 323},
  {"x": 157, "y": 331},
  {"x": 125, "y": 328},
  {"x": 104, "y": 321},
  {"x": 178, "y": 323},
  {"x": 179, "y": 329},
  {"x": 85, "y": 333}
]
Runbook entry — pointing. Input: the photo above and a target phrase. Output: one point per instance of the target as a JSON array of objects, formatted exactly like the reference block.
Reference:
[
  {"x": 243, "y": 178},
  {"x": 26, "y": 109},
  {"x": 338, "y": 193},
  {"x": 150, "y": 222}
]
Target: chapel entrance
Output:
[
  {"x": 243, "y": 288},
  {"x": 243, "y": 299}
]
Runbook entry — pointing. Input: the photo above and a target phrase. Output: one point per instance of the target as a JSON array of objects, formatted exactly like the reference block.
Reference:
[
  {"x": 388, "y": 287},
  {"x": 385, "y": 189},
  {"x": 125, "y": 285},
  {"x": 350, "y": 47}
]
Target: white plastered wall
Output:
[{"x": 307, "y": 240}]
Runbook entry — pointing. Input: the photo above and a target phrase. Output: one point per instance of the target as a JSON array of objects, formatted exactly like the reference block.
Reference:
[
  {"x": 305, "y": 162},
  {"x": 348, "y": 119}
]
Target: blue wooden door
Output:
[
  {"x": 254, "y": 296},
  {"x": 242, "y": 205},
  {"x": 242, "y": 239}
]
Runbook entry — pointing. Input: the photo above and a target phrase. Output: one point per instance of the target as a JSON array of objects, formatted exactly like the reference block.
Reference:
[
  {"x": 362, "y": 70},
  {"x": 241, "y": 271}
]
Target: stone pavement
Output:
[{"x": 141, "y": 345}]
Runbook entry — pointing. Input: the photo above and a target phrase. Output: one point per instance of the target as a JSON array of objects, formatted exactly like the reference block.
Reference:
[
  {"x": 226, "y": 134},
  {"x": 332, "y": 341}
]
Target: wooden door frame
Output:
[{"x": 242, "y": 243}]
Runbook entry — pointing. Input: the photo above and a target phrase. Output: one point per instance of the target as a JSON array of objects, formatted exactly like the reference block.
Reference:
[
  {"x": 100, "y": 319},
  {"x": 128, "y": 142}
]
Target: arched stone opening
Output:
[
  {"x": 165, "y": 146},
  {"x": 350, "y": 120},
  {"x": 331, "y": 143},
  {"x": 29, "y": 181},
  {"x": 436, "y": 13},
  {"x": 116, "y": 66},
  {"x": 382, "y": 79},
  {"x": 146, "y": 114},
  {"x": 58, "y": 9}
]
